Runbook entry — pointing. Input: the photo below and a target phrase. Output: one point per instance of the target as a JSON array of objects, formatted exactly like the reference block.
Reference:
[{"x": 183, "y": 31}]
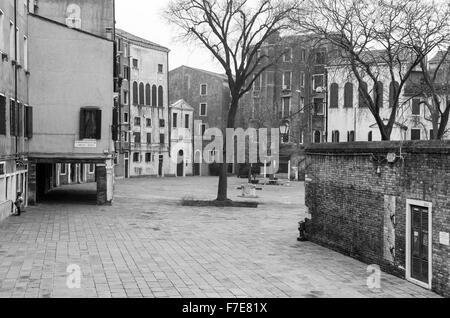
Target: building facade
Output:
[
  {"x": 181, "y": 138},
  {"x": 143, "y": 148},
  {"x": 72, "y": 87},
  {"x": 350, "y": 118},
  {"x": 15, "y": 111},
  {"x": 208, "y": 94}
]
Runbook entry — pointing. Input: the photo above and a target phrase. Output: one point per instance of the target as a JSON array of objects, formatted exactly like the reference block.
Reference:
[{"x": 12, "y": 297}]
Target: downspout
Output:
[
  {"x": 169, "y": 109},
  {"x": 15, "y": 76}
]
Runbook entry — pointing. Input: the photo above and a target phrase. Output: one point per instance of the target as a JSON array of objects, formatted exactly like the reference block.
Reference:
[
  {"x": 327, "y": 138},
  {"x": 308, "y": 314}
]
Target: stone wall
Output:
[{"x": 358, "y": 201}]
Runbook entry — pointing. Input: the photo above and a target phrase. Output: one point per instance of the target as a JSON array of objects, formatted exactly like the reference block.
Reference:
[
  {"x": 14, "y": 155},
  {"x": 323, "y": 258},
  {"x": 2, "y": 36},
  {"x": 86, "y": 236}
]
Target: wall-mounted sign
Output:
[
  {"x": 444, "y": 238},
  {"x": 86, "y": 144},
  {"x": 73, "y": 16}
]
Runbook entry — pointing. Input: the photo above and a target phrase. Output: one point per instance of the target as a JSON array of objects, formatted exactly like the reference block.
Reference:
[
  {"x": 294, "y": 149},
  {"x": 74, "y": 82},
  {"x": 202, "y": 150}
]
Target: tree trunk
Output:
[
  {"x": 222, "y": 193},
  {"x": 444, "y": 122}
]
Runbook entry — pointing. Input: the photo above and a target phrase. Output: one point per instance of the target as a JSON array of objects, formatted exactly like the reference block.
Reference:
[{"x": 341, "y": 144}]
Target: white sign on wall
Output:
[
  {"x": 444, "y": 238},
  {"x": 86, "y": 144}
]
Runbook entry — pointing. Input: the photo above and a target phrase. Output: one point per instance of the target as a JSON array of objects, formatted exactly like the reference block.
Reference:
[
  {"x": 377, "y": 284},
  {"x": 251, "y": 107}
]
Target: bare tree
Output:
[
  {"x": 233, "y": 31},
  {"x": 378, "y": 39},
  {"x": 434, "y": 89}
]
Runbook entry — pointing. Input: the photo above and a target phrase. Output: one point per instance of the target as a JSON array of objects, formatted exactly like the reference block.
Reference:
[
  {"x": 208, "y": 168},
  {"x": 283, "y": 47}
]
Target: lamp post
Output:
[{"x": 285, "y": 131}]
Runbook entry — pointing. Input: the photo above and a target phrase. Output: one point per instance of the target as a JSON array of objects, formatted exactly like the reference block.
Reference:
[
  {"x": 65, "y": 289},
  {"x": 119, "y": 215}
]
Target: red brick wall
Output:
[{"x": 346, "y": 190}]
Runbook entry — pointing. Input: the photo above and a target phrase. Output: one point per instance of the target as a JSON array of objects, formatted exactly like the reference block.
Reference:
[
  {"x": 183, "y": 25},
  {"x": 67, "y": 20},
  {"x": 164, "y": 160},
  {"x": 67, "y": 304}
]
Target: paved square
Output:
[{"x": 148, "y": 245}]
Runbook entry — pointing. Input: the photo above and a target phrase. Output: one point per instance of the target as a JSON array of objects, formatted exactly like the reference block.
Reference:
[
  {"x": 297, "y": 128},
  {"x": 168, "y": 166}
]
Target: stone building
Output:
[
  {"x": 293, "y": 92},
  {"x": 16, "y": 113},
  {"x": 143, "y": 144},
  {"x": 72, "y": 87},
  {"x": 209, "y": 95},
  {"x": 181, "y": 138}
]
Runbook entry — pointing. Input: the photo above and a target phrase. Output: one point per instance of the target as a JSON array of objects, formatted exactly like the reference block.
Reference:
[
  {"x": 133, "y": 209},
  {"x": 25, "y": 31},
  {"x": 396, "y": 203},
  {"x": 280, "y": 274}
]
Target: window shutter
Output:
[
  {"x": 13, "y": 128},
  {"x": 28, "y": 122},
  {"x": 334, "y": 102},
  {"x": 82, "y": 121},
  {"x": 160, "y": 96},
  {"x": 98, "y": 124},
  {"x": 2, "y": 115},
  {"x": 348, "y": 98},
  {"x": 20, "y": 120}
]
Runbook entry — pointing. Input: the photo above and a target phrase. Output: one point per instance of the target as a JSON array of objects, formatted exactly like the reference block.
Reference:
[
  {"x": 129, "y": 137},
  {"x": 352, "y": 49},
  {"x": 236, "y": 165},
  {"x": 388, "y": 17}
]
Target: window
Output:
[
  {"x": 149, "y": 138},
  {"x": 135, "y": 63},
  {"x": 288, "y": 55},
  {"x": 28, "y": 122},
  {"x": 2, "y": 115},
  {"x": 162, "y": 123},
  {"x": 175, "y": 120},
  {"x": 286, "y": 107},
  {"x": 136, "y": 157},
  {"x": 351, "y": 136},
  {"x": 257, "y": 83},
  {"x": 90, "y": 123},
  {"x": 162, "y": 139},
  {"x": 125, "y": 118},
  {"x": 203, "y": 89},
  {"x": 135, "y": 93},
  {"x": 25, "y": 53},
  {"x": 147, "y": 95},
  {"x": 416, "y": 107},
  {"x": 2, "y": 44},
  {"x": 148, "y": 157},
  {"x": 13, "y": 118},
  {"x": 393, "y": 92},
  {"x": 318, "y": 82},
  {"x": 287, "y": 80},
  {"x": 317, "y": 137},
  {"x": 370, "y": 136},
  {"x": 148, "y": 122},
  {"x": 363, "y": 103},
  {"x": 348, "y": 95},
  {"x": 302, "y": 55},
  {"x": 320, "y": 58},
  {"x": 302, "y": 79},
  {"x": 318, "y": 106},
  {"x": 154, "y": 95},
  {"x": 125, "y": 136},
  {"x": 380, "y": 94},
  {"x": 202, "y": 129},
  {"x": 125, "y": 98},
  {"x": 334, "y": 95},
  {"x": 11, "y": 40},
  {"x": 126, "y": 72},
  {"x": 415, "y": 134},
  {"x": 160, "y": 68},
  {"x": 141, "y": 94},
  {"x": 203, "y": 109},
  {"x": 92, "y": 168},
  {"x": 186, "y": 121},
  {"x": 160, "y": 96},
  {"x": 335, "y": 136},
  {"x": 137, "y": 137},
  {"x": 137, "y": 121},
  {"x": 62, "y": 169}
]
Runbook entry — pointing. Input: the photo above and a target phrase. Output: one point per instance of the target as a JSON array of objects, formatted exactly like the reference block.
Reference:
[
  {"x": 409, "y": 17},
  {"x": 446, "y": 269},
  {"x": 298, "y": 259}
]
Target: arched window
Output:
[
  {"x": 154, "y": 95},
  {"x": 135, "y": 93},
  {"x": 380, "y": 94},
  {"x": 362, "y": 99},
  {"x": 370, "y": 137},
  {"x": 336, "y": 136},
  {"x": 317, "y": 137},
  {"x": 141, "y": 94},
  {"x": 147, "y": 95},
  {"x": 160, "y": 96},
  {"x": 393, "y": 92},
  {"x": 348, "y": 95},
  {"x": 334, "y": 96}
]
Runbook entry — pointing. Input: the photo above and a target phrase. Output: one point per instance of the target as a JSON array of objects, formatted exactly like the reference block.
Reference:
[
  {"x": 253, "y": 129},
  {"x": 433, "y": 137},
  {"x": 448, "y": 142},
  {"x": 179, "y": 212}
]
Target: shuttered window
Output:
[
  {"x": 416, "y": 107},
  {"x": 141, "y": 94},
  {"x": 147, "y": 95},
  {"x": 28, "y": 122},
  {"x": 154, "y": 95},
  {"x": 162, "y": 139},
  {"x": 160, "y": 96},
  {"x": 348, "y": 95},
  {"x": 3, "y": 115},
  {"x": 90, "y": 123},
  {"x": 135, "y": 93},
  {"x": 13, "y": 118},
  {"x": 334, "y": 96}
]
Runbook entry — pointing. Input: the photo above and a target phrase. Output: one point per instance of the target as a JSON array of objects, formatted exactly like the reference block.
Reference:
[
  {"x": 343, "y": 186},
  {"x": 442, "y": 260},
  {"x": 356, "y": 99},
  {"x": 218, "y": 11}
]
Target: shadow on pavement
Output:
[{"x": 73, "y": 194}]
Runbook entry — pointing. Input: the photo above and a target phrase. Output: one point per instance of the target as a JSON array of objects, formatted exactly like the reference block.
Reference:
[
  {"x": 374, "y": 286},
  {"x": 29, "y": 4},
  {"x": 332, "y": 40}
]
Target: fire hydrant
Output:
[{"x": 302, "y": 231}]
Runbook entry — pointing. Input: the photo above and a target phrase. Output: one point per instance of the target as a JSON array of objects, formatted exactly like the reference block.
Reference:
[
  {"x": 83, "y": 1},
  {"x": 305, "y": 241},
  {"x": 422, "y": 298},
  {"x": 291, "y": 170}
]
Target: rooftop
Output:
[
  {"x": 222, "y": 76},
  {"x": 140, "y": 41}
]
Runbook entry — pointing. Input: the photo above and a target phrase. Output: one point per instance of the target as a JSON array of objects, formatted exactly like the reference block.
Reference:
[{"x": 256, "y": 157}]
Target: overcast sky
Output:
[{"x": 144, "y": 18}]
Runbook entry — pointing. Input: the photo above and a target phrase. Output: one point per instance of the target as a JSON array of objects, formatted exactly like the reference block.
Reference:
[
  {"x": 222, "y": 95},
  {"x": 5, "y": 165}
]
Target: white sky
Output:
[{"x": 144, "y": 18}]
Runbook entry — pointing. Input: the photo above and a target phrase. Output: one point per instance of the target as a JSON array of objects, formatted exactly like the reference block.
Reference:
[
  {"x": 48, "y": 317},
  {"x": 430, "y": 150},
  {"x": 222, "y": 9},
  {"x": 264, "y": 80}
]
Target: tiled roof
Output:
[
  {"x": 140, "y": 41},
  {"x": 222, "y": 76}
]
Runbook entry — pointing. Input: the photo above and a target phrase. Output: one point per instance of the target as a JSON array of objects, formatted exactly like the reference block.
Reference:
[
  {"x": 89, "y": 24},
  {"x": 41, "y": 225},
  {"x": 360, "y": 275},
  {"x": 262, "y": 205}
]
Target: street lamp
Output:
[{"x": 285, "y": 131}]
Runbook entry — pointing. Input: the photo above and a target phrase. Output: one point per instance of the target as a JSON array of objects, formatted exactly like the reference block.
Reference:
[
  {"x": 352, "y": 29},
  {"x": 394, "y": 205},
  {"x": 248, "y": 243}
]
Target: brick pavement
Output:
[{"x": 147, "y": 245}]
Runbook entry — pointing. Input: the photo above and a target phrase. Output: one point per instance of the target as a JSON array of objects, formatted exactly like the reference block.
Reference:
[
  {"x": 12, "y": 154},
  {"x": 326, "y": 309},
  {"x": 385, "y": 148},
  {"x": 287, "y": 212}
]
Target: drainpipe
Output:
[
  {"x": 15, "y": 73},
  {"x": 169, "y": 109}
]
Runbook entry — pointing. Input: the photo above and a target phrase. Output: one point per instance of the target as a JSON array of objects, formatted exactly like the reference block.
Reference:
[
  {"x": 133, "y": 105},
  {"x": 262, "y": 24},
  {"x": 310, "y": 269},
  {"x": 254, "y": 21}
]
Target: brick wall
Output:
[{"x": 352, "y": 193}]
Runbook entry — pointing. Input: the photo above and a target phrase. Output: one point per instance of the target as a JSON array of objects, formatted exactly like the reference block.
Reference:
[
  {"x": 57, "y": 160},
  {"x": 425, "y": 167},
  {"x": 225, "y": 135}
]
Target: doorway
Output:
[
  {"x": 419, "y": 243},
  {"x": 160, "y": 165},
  {"x": 127, "y": 165},
  {"x": 180, "y": 165}
]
